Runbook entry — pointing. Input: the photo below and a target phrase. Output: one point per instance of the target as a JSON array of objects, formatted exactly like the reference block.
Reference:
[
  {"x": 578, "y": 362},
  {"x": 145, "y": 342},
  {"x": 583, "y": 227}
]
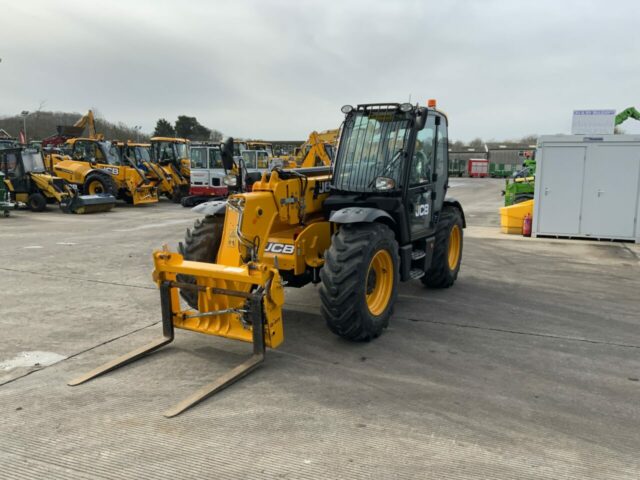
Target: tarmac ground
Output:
[{"x": 528, "y": 367}]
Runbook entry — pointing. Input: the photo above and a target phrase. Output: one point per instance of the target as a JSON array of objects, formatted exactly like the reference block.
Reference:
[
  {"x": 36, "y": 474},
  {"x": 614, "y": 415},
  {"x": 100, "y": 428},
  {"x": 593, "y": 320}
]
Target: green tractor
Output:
[{"x": 520, "y": 187}]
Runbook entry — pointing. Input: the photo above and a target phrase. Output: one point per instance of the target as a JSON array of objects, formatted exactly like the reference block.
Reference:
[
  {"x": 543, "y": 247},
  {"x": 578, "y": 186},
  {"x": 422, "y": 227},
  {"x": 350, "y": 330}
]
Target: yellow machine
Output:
[
  {"x": 318, "y": 150},
  {"x": 378, "y": 216},
  {"x": 29, "y": 183},
  {"x": 96, "y": 166},
  {"x": 141, "y": 154},
  {"x": 172, "y": 156}
]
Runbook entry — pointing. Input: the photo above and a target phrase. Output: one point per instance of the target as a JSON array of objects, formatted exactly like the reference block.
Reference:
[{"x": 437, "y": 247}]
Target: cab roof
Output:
[{"x": 169, "y": 139}]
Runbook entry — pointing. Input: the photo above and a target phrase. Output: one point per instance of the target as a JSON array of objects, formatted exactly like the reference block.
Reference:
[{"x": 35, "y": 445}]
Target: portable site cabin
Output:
[{"x": 588, "y": 186}]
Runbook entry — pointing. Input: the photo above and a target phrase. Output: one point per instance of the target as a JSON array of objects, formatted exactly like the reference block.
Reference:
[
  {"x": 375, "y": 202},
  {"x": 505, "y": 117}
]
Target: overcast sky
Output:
[{"x": 279, "y": 69}]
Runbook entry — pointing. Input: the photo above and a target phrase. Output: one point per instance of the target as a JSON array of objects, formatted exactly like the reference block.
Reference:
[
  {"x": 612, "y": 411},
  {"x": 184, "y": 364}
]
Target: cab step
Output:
[
  {"x": 416, "y": 273},
  {"x": 417, "y": 255}
]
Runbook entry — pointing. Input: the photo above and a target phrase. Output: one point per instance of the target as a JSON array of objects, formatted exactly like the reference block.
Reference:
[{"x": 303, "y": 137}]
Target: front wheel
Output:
[
  {"x": 447, "y": 254},
  {"x": 99, "y": 183},
  {"x": 201, "y": 244},
  {"x": 360, "y": 280}
]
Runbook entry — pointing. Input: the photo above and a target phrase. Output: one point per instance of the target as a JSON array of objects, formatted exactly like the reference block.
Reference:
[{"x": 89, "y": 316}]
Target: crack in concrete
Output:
[
  {"x": 106, "y": 342},
  {"x": 518, "y": 332},
  {"x": 51, "y": 275}
]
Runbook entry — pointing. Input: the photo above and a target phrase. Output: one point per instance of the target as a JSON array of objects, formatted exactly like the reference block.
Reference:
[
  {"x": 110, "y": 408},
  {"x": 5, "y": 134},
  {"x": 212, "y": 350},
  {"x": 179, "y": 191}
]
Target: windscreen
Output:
[
  {"x": 142, "y": 154},
  {"x": 182, "y": 150},
  {"x": 165, "y": 152},
  {"x": 215, "y": 158},
  {"x": 198, "y": 157},
  {"x": 32, "y": 162},
  {"x": 113, "y": 155},
  {"x": 372, "y": 145}
]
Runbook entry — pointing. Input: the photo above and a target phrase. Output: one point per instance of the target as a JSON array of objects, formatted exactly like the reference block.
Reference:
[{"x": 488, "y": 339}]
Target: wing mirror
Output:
[
  {"x": 421, "y": 118},
  {"x": 227, "y": 154}
]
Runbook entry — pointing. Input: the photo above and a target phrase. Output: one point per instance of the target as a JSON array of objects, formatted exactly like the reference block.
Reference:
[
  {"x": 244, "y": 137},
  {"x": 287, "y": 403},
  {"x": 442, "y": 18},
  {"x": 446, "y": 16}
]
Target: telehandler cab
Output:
[{"x": 378, "y": 217}]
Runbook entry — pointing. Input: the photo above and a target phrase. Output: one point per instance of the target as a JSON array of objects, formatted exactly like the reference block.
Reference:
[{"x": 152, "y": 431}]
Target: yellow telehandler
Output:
[
  {"x": 172, "y": 157},
  {"x": 378, "y": 216}
]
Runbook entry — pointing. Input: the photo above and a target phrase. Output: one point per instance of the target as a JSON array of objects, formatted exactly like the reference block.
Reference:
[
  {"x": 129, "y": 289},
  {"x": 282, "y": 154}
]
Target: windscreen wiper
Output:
[{"x": 387, "y": 168}]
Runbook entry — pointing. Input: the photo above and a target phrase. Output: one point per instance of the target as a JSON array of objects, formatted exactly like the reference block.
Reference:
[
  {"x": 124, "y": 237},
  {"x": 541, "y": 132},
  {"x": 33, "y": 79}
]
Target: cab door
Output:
[{"x": 419, "y": 199}]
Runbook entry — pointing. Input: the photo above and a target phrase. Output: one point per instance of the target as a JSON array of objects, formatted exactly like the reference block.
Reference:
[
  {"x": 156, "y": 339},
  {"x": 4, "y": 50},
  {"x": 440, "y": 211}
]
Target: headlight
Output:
[
  {"x": 406, "y": 107},
  {"x": 346, "y": 109},
  {"x": 230, "y": 180},
  {"x": 384, "y": 184}
]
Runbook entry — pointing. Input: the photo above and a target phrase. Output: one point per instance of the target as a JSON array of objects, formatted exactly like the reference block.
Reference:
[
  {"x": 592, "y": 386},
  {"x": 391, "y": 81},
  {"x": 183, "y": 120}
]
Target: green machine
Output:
[
  {"x": 627, "y": 113},
  {"x": 5, "y": 200},
  {"x": 521, "y": 185}
]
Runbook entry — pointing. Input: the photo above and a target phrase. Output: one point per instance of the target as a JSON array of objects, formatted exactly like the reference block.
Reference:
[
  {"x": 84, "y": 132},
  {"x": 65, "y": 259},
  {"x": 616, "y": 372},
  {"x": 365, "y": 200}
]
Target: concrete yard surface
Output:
[{"x": 528, "y": 367}]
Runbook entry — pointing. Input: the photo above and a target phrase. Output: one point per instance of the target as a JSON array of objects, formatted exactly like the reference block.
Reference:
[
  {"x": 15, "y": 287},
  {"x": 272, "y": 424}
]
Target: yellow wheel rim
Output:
[
  {"x": 455, "y": 242},
  {"x": 95, "y": 187},
  {"x": 379, "y": 282}
]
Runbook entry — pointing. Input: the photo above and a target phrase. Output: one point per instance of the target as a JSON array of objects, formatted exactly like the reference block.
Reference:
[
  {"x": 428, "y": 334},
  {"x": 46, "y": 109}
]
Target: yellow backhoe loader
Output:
[
  {"x": 172, "y": 157},
  {"x": 142, "y": 155},
  {"x": 96, "y": 166},
  {"x": 318, "y": 150},
  {"x": 377, "y": 217},
  {"x": 29, "y": 183}
]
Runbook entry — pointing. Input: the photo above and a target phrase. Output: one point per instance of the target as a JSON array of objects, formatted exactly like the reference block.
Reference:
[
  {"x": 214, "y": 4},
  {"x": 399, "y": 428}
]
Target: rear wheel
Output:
[
  {"x": 447, "y": 254},
  {"x": 99, "y": 183},
  {"x": 360, "y": 281},
  {"x": 201, "y": 244},
  {"x": 37, "y": 202}
]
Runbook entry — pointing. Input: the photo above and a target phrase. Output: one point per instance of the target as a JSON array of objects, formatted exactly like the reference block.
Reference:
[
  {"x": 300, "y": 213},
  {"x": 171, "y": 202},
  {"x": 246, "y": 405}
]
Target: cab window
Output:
[
  {"x": 199, "y": 158},
  {"x": 422, "y": 164},
  {"x": 263, "y": 159},
  {"x": 442, "y": 148},
  {"x": 215, "y": 158}
]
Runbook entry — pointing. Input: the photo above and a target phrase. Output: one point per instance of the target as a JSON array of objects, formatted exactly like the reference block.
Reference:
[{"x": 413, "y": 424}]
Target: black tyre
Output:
[
  {"x": 37, "y": 202},
  {"x": 201, "y": 244},
  {"x": 97, "y": 183},
  {"x": 127, "y": 197},
  {"x": 447, "y": 254},
  {"x": 179, "y": 193},
  {"x": 360, "y": 280}
]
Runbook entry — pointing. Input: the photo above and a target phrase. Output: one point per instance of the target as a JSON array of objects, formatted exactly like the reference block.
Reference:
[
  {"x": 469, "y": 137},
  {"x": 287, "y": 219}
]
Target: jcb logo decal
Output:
[
  {"x": 422, "y": 210},
  {"x": 284, "y": 248},
  {"x": 111, "y": 170},
  {"x": 320, "y": 188}
]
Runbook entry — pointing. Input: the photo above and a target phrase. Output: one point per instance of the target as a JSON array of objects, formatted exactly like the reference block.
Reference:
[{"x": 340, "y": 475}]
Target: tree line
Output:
[
  {"x": 186, "y": 127},
  {"x": 41, "y": 124}
]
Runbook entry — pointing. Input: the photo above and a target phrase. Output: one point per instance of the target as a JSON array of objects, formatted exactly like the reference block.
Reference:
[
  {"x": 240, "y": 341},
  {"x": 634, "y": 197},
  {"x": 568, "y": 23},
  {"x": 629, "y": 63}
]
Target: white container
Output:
[{"x": 588, "y": 187}]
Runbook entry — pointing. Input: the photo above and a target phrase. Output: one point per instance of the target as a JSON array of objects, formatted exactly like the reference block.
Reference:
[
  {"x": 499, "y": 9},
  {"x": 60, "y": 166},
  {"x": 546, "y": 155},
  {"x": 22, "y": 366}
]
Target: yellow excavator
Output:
[
  {"x": 378, "y": 216},
  {"x": 171, "y": 155}
]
